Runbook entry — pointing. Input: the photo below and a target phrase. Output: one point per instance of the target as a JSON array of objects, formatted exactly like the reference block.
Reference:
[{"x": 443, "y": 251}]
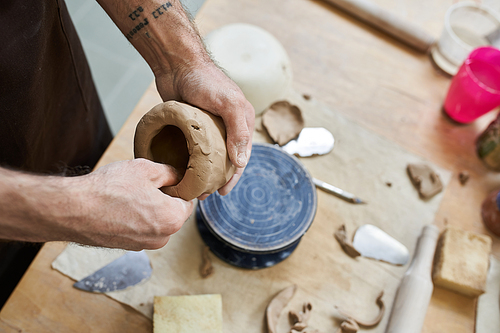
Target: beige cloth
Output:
[{"x": 362, "y": 163}]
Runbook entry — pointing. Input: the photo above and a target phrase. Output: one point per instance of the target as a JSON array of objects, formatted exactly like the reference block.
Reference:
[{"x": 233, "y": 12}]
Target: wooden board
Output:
[
  {"x": 353, "y": 69},
  {"x": 361, "y": 162}
]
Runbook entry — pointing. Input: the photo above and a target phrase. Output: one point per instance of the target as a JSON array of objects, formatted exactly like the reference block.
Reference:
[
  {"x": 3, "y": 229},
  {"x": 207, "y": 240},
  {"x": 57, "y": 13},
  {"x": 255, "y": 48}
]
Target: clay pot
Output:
[{"x": 189, "y": 139}]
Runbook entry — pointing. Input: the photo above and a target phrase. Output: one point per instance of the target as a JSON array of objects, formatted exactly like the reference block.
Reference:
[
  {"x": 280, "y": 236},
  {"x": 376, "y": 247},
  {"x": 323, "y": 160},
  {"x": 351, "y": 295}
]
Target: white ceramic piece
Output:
[
  {"x": 374, "y": 243},
  {"x": 254, "y": 59},
  {"x": 467, "y": 25},
  {"x": 311, "y": 141}
]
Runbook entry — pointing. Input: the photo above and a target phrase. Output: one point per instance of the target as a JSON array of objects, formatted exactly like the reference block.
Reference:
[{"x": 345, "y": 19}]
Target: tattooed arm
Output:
[{"x": 165, "y": 37}]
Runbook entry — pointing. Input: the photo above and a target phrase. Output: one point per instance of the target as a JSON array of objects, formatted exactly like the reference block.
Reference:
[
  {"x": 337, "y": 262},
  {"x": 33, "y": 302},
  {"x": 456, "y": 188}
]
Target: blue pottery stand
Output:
[{"x": 261, "y": 221}]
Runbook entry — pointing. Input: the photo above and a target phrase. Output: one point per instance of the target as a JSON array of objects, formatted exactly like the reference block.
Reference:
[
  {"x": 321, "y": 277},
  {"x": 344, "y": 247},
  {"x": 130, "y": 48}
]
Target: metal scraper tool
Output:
[
  {"x": 374, "y": 243},
  {"x": 340, "y": 193},
  {"x": 126, "y": 271}
]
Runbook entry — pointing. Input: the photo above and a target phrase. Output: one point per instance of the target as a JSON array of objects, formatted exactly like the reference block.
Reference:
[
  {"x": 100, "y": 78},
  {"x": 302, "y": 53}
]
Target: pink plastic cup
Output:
[{"x": 475, "y": 89}]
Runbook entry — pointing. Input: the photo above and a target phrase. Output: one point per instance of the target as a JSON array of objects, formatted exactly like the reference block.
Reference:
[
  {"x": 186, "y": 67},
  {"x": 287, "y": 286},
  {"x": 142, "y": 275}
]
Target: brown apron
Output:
[
  {"x": 50, "y": 114},
  {"x": 51, "y": 119}
]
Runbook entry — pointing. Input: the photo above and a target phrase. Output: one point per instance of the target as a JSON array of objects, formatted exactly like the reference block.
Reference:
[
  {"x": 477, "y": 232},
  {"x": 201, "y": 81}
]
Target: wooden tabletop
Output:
[{"x": 369, "y": 78}]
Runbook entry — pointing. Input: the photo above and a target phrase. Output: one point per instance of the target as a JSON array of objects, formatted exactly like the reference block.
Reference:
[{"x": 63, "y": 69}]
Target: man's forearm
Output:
[
  {"x": 160, "y": 30},
  {"x": 118, "y": 205},
  {"x": 30, "y": 204}
]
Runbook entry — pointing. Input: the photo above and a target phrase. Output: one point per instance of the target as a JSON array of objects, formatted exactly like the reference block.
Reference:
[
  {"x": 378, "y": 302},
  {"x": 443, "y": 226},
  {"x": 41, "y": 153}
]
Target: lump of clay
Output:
[
  {"x": 190, "y": 140},
  {"x": 345, "y": 243},
  {"x": 463, "y": 177},
  {"x": 425, "y": 180},
  {"x": 283, "y": 122}
]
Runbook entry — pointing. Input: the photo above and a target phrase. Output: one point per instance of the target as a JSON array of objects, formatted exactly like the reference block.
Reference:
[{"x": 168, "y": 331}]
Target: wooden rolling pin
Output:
[
  {"x": 377, "y": 17},
  {"x": 415, "y": 290}
]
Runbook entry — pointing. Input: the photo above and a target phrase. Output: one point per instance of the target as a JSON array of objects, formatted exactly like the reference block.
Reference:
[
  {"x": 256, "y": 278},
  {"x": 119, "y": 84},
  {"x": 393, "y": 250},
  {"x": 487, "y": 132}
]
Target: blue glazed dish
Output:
[{"x": 261, "y": 221}]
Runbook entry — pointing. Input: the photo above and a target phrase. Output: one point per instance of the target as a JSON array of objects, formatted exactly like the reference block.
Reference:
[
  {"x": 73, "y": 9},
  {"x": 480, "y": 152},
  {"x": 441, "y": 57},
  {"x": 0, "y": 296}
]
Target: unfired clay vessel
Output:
[{"x": 189, "y": 139}]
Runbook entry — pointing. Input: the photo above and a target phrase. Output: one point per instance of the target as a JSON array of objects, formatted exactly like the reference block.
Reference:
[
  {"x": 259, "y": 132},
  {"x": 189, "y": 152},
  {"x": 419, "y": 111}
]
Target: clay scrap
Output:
[
  {"x": 276, "y": 306},
  {"x": 348, "y": 326},
  {"x": 299, "y": 319},
  {"x": 463, "y": 177},
  {"x": 352, "y": 324},
  {"x": 425, "y": 180},
  {"x": 345, "y": 242},
  {"x": 283, "y": 122},
  {"x": 206, "y": 268}
]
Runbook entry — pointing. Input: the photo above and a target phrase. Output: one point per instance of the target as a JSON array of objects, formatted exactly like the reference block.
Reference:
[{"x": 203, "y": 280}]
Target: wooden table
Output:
[{"x": 369, "y": 78}]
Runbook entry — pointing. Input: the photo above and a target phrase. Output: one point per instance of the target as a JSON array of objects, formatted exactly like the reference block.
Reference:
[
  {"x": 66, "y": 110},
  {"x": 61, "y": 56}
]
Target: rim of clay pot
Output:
[{"x": 198, "y": 145}]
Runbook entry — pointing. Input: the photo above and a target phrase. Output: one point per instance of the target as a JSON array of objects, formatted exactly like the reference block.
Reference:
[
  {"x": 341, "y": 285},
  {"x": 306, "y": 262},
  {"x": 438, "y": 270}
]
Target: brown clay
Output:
[
  {"x": 463, "y": 177},
  {"x": 283, "y": 122},
  {"x": 189, "y": 139},
  {"x": 348, "y": 326},
  {"x": 491, "y": 214},
  {"x": 425, "y": 180},
  {"x": 299, "y": 320},
  {"x": 368, "y": 323},
  {"x": 345, "y": 243},
  {"x": 276, "y": 306}
]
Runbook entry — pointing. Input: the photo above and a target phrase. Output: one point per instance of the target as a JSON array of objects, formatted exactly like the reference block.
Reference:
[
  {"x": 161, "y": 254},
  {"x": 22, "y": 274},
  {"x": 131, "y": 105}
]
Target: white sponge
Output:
[
  {"x": 188, "y": 314},
  {"x": 462, "y": 262}
]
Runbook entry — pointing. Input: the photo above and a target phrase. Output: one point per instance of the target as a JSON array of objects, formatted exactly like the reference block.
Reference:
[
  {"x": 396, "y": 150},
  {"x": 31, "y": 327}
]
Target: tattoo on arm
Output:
[{"x": 139, "y": 17}]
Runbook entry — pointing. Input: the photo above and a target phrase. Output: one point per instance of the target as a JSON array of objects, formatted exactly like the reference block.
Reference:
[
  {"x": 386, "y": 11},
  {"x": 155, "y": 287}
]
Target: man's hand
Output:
[
  {"x": 119, "y": 205},
  {"x": 208, "y": 88},
  {"x": 162, "y": 32}
]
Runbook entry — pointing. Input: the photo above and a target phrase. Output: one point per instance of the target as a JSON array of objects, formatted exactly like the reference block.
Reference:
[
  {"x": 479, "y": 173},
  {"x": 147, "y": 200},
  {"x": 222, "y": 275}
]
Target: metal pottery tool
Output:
[
  {"x": 349, "y": 197},
  {"x": 415, "y": 290},
  {"x": 318, "y": 141},
  {"x": 372, "y": 242},
  {"x": 261, "y": 221},
  {"x": 126, "y": 271}
]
